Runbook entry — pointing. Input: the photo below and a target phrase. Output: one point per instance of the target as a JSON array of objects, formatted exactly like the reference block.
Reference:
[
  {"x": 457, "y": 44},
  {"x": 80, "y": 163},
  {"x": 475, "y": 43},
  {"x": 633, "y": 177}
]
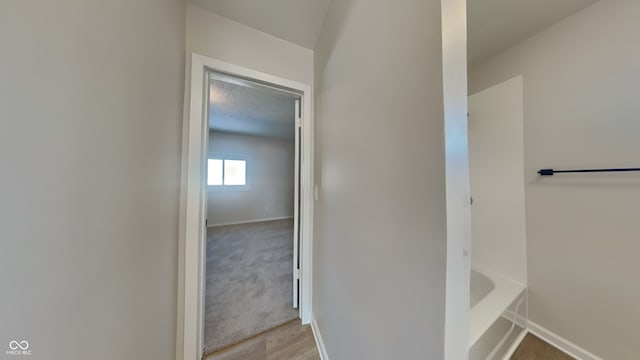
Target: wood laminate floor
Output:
[
  {"x": 291, "y": 341},
  {"x": 294, "y": 341},
  {"x": 532, "y": 348}
]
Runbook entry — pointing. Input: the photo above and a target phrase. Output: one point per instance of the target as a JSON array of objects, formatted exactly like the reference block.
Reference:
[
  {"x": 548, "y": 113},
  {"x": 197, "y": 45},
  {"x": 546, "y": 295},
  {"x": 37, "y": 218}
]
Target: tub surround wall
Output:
[
  {"x": 498, "y": 231},
  {"x": 496, "y": 153},
  {"x": 581, "y": 86}
]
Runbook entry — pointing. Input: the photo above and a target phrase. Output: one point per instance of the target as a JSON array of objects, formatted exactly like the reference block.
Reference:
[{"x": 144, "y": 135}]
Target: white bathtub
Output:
[
  {"x": 491, "y": 296},
  {"x": 481, "y": 286}
]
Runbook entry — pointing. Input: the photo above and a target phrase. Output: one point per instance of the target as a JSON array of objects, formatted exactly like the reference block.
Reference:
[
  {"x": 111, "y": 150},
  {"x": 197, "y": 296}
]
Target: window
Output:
[{"x": 227, "y": 172}]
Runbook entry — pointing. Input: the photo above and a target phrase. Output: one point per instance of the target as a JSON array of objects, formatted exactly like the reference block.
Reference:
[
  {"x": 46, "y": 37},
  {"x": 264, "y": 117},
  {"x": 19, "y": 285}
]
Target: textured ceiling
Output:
[
  {"x": 251, "y": 110},
  {"x": 495, "y": 25},
  {"x": 297, "y": 21}
]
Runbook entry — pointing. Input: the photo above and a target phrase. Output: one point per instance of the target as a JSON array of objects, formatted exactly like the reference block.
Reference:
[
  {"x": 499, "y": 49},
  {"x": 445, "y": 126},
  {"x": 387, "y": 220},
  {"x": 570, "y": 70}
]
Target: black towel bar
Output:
[{"x": 551, "y": 172}]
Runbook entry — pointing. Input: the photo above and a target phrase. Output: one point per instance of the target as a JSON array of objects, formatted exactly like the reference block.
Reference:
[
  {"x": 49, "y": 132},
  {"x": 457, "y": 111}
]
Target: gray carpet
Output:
[{"x": 249, "y": 281}]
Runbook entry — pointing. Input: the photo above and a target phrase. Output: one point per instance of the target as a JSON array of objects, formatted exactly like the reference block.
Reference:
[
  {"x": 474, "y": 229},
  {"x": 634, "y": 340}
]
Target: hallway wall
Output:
[
  {"x": 215, "y": 36},
  {"x": 380, "y": 225},
  {"x": 91, "y": 116}
]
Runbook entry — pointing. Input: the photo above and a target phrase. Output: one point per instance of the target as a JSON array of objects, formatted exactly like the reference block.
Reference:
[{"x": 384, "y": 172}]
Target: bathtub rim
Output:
[{"x": 493, "y": 305}]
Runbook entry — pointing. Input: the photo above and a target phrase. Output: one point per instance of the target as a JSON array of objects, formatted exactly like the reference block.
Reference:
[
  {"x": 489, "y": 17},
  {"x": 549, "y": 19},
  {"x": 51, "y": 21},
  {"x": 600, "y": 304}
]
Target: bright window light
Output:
[
  {"x": 235, "y": 172},
  {"x": 214, "y": 173},
  {"x": 226, "y": 172}
]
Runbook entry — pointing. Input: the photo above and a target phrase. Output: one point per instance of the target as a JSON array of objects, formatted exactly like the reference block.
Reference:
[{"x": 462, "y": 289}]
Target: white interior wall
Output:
[
  {"x": 91, "y": 105},
  {"x": 270, "y": 176},
  {"x": 496, "y": 156},
  {"x": 214, "y": 36},
  {"x": 581, "y": 80},
  {"x": 380, "y": 224}
]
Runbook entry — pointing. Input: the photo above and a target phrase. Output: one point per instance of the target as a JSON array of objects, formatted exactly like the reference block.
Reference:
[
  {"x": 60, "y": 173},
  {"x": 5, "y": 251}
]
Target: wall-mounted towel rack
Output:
[{"x": 551, "y": 172}]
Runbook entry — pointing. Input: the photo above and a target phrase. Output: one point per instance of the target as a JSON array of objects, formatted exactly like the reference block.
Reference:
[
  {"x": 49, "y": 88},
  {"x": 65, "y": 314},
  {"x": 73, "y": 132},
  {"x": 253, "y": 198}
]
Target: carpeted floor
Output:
[{"x": 249, "y": 281}]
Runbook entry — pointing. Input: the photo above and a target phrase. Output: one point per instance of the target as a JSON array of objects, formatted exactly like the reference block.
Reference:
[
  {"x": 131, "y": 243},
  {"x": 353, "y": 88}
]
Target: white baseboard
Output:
[
  {"x": 562, "y": 344},
  {"x": 322, "y": 350},
  {"x": 249, "y": 221}
]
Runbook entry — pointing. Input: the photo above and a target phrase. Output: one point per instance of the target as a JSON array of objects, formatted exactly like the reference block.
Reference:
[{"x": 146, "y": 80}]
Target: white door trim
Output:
[
  {"x": 454, "y": 69},
  {"x": 296, "y": 206},
  {"x": 193, "y": 194}
]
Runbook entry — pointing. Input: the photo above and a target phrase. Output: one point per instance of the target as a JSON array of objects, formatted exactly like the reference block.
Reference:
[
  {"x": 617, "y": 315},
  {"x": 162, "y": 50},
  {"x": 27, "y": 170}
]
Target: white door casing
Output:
[
  {"x": 296, "y": 206},
  {"x": 190, "y": 312},
  {"x": 454, "y": 77}
]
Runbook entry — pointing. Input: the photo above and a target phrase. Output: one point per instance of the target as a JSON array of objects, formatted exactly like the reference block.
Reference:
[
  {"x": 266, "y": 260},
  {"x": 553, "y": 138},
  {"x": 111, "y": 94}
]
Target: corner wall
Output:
[
  {"x": 581, "y": 86},
  {"x": 380, "y": 221},
  {"x": 215, "y": 36}
]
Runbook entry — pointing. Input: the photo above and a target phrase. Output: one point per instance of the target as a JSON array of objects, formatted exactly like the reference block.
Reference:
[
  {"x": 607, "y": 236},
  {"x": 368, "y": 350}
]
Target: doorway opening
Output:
[
  {"x": 218, "y": 167},
  {"x": 253, "y": 209}
]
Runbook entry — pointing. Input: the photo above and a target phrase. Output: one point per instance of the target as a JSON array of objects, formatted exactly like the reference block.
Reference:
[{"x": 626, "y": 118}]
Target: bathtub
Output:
[
  {"x": 497, "y": 308},
  {"x": 481, "y": 286}
]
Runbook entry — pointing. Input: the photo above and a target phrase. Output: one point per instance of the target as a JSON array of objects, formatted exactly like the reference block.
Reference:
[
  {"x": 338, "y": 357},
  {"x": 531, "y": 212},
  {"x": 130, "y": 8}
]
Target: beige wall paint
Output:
[
  {"x": 214, "y": 36},
  {"x": 270, "y": 176},
  {"x": 380, "y": 224},
  {"x": 496, "y": 158},
  {"x": 90, "y": 109},
  {"x": 581, "y": 81}
]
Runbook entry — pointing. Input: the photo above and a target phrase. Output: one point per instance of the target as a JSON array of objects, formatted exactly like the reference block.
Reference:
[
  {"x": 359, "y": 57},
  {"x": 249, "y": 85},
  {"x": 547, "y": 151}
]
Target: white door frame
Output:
[
  {"x": 454, "y": 76},
  {"x": 191, "y": 276},
  {"x": 296, "y": 205}
]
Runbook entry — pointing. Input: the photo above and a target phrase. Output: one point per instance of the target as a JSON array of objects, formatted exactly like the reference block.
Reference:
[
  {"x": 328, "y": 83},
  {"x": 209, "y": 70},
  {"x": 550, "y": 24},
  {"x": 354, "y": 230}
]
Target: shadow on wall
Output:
[{"x": 324, "y": 47}]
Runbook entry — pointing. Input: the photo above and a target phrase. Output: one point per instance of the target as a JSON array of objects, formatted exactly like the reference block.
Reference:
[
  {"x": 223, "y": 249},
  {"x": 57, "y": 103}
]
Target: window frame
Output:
[{"x": 223, "y": 187}]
